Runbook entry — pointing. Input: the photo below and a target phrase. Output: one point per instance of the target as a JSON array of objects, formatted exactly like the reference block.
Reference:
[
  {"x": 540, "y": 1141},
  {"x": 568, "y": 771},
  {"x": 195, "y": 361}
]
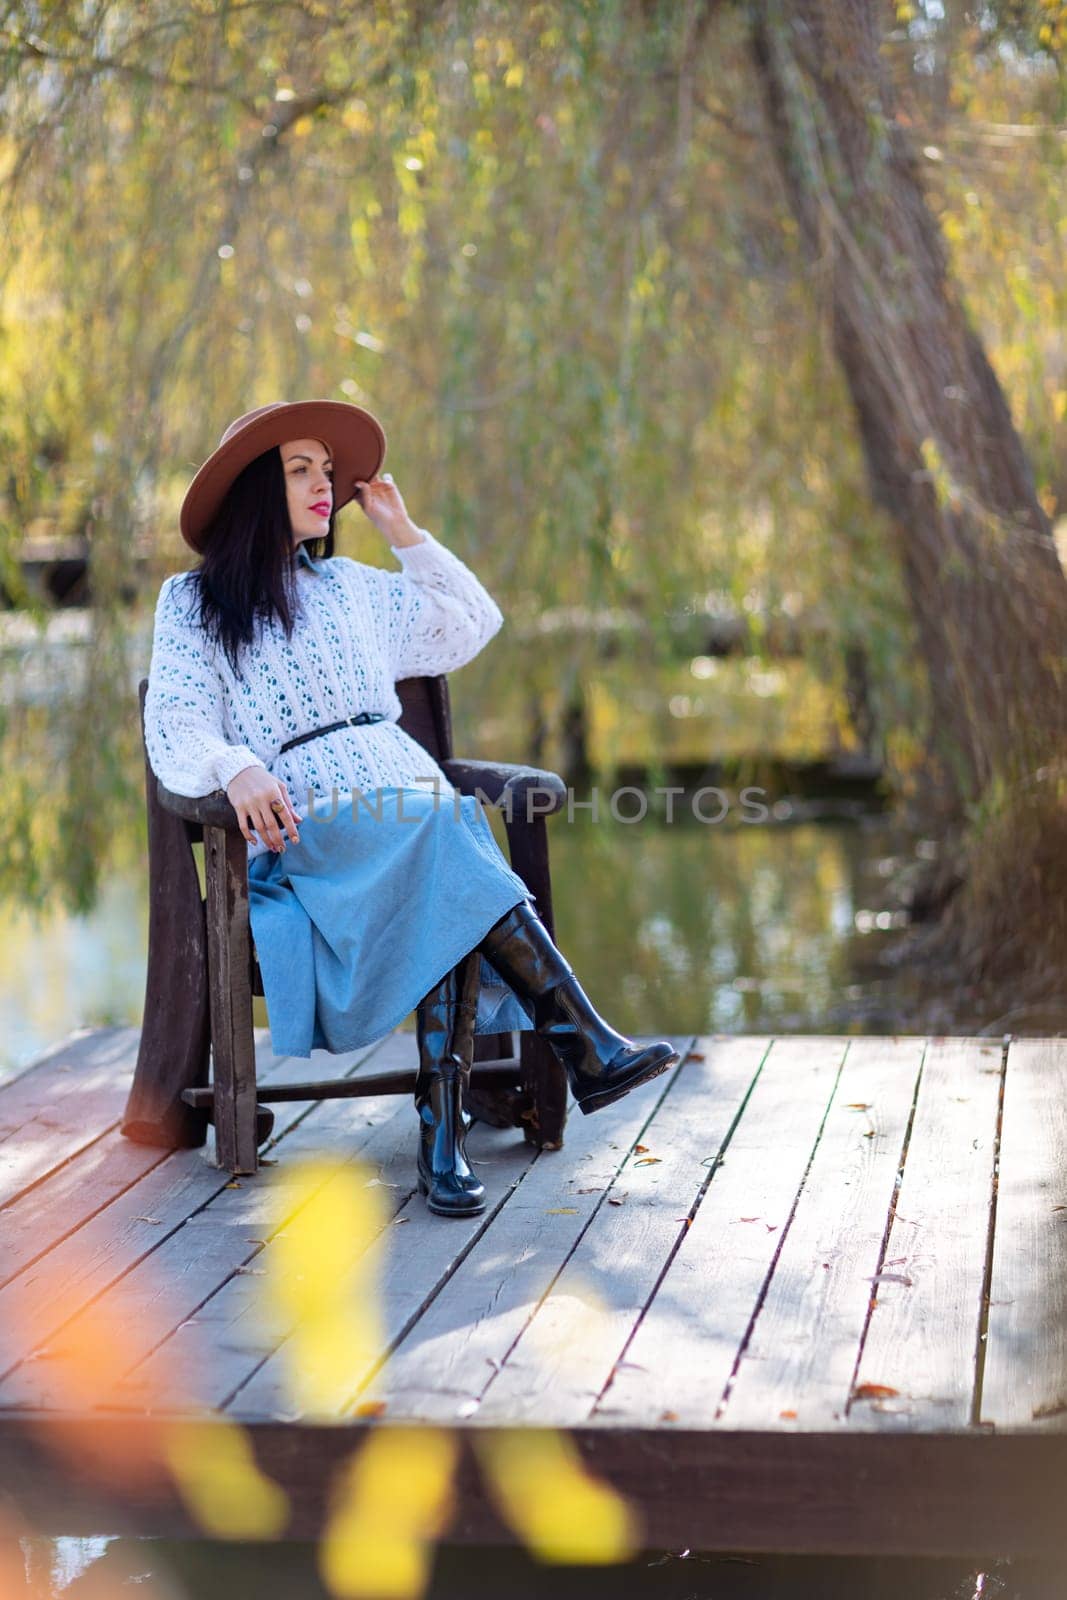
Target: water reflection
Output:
[
  {"x": 92, "y": 1569},
  {"x": 677, "y": 927},
  {"x": 680, "y": 928}
]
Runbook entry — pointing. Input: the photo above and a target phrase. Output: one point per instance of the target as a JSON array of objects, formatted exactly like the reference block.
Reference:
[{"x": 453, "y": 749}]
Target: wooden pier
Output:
[{"x": 800, "y": 1294}]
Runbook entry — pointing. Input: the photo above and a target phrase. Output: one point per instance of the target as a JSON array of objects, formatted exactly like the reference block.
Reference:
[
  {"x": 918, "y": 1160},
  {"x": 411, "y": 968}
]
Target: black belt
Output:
[{"x": 331, "y": 727}]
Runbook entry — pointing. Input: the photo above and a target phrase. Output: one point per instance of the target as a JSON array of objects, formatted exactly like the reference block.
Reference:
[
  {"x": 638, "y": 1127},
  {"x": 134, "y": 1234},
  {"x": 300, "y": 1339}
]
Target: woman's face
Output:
[{"x": 308, "y": 469}]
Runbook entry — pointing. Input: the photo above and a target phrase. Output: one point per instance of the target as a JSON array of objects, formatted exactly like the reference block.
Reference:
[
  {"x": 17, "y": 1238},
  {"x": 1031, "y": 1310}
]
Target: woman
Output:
[{"x": 374, "y": 888}]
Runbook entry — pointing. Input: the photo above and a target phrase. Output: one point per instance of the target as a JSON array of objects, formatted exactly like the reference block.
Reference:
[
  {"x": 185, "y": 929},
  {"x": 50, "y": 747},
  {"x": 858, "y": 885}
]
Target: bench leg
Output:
[
  {"x": 230, "y": 988},
  {"x": 543, "y": 1078}
]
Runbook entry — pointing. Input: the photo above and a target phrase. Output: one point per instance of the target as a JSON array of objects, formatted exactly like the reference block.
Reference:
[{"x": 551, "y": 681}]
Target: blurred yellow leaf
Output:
[
  {"x": 561, "y": 1512},
  {"x": 219, "y": 1480},
  {"x": 391, "y": 1501},
  {"x": 322, "y": 1281}
]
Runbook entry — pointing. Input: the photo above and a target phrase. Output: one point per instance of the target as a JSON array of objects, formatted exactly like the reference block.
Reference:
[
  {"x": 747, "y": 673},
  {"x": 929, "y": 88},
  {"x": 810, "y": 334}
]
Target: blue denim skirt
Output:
[{"x": 384, "y": 893}]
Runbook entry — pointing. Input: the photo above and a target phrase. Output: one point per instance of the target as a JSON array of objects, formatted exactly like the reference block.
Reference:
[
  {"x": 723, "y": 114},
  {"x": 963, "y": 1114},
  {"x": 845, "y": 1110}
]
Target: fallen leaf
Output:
[
  {"x": 640, "y": 1147},
  {"x": 696, "y": 1055},
  {"x": 612, "y": 1202},
  {"x": 371, "y": 1408},
  {"x": 648, "y": 1161},
  {"x": 749, "y": 1219},
  {"x": 668, "y": 1416},
  {"x": 772, "y": 1227},
  {"x": 790, "y": 1416},
  {"x": 873, "y": 1391},
  {"x": 562, "y": 1211},
  {"x": 157, "y": 1222},
  {"x": 233, "y": 1185},
  {"x": 252, "y": 1272},
  {"x": 1054, "y": 1408}
]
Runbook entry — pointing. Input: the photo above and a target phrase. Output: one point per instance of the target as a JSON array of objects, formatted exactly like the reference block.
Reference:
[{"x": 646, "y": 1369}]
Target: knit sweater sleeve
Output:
[
  {"x": 184, "y": 716},
  {"x": 439, "y": 615}
]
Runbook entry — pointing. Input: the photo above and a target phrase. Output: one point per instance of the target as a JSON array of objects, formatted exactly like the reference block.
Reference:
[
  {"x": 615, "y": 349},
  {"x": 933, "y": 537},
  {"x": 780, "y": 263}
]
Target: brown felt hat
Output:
[{"x": 356, "y": 439}]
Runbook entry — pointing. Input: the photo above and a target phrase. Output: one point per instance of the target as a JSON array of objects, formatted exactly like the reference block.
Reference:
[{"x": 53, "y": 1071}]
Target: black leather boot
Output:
[
  {"x": 444, "y": 1027},
  {"x": 601, "y": 1065}
]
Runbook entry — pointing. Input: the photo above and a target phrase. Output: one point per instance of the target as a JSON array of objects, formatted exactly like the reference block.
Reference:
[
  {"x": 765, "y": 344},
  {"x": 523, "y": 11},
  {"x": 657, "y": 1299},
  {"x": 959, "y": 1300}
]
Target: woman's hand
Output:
[
  {"x": 253, "y": 794},
  {"x": 382, "y": 502}
]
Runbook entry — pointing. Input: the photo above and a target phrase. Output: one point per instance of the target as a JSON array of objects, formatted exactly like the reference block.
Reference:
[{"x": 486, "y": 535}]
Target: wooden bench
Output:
[{"x": 202, "y": 970}]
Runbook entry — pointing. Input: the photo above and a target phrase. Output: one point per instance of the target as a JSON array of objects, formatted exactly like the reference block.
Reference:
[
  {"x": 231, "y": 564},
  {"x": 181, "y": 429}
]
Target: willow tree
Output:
[
  {"x": 537, "y": 241},
  {"x": 943, "y": 460},
  {"x": 547, "y": 240}
]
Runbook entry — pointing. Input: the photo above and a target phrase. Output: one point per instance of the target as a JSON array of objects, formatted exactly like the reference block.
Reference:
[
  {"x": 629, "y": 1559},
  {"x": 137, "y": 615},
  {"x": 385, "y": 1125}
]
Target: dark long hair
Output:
[{"x": 247, "y": 564}]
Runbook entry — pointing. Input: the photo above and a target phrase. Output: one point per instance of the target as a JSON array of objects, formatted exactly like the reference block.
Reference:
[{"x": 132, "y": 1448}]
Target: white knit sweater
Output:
[{"x": 358, "y": 630}]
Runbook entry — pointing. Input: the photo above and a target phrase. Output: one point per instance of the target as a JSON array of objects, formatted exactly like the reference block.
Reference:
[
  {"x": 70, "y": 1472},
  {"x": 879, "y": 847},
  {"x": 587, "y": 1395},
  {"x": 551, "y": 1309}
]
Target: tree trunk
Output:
[{"x": 942, "y": 454}]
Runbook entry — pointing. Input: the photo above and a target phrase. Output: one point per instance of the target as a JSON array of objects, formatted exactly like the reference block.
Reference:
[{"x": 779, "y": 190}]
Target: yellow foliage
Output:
[
  {"x": 216, "y": 1473},
  {"x": 390, "y": 1502},
  {"x": 321, "y": 1278},
  {"x": 558, "y": 1509},
  {"x": 356, "y": 117}
]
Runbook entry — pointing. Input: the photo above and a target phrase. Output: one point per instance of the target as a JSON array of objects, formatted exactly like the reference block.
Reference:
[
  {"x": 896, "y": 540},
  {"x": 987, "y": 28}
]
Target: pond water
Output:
[
  {"x": 682, "y": 927},
  {"x": 105, "y": 1568}
]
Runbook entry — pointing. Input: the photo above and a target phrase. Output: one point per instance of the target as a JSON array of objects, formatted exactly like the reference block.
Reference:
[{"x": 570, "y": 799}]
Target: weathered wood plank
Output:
[
  {"x": 1025, "y": 1379},
  {"x": 62, "y": 1107},
  {"x": 676, "y": 1368},
  {"x": 234, "y": 1320},
  {"x": 91, "y": 1060},
  {"x": 798, "y": 1362},
  {"x": 422, "y": 1252},
  {"x": 49, "y": 1077},
  {"x": 46, "y": 1297},
  {"x": 975, "y": 1497},
  {"x": 181, "y": 1355},
  {"x": 442, "y": 1366},
  {"x": 229, "y": 942},
  {"x": 563, "y": 1359},
  {"x": 251, "y": 1345},
  {"x": 37, "y": 1220},
  {"x": 922, "y": 1338}
]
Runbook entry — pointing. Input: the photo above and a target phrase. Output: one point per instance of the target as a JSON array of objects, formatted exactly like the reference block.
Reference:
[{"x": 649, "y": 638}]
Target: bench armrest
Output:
[
  {"x": 501, "y": 783},
  {"x": 509, "y": 787},
  {"x": 210, "y": 810}
]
